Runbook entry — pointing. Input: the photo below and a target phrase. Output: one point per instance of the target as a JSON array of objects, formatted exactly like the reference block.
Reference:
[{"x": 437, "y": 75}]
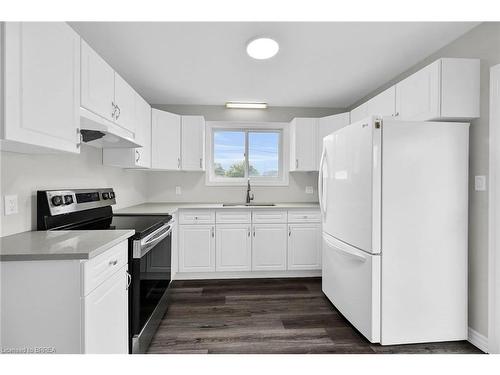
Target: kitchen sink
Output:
[{"x": 248, "y": 204}]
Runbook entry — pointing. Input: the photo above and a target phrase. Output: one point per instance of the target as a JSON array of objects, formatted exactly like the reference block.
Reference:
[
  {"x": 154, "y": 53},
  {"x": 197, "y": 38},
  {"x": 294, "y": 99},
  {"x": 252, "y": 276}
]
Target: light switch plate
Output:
[
  {"x": 480, "y": 183},
  {"x": 178, "y": 190},
  {"x": 309, "y": 190},
  {"x": 10, "y": 204}
]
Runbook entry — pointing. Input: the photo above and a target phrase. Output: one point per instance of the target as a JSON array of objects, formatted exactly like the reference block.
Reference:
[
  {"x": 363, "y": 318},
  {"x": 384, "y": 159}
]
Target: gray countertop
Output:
[
  {"x": 60, "y": 245},
  {"x": 162, "y": 208}
]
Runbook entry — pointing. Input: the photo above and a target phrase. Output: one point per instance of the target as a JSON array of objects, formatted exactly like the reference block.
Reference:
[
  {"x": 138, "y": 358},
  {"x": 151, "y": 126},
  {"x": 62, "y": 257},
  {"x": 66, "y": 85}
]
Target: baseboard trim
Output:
[
  {"x": 478, "y": 340},
  {"x": 244, "y": 275}
]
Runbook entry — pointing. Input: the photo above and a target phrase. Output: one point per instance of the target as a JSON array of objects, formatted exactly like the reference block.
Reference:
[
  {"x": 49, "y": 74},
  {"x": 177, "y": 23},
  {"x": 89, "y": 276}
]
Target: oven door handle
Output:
[{"x": 146, "y": 244}]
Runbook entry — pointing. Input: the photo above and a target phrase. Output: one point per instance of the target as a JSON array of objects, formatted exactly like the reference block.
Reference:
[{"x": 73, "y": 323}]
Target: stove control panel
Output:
[{"x": 66, "y": 201}]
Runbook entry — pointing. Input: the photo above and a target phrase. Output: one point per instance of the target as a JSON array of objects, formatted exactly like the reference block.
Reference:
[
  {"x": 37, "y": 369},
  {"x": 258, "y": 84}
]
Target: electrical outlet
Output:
[
  {"x": 480, "y": 183},
  {"x": 10, "y": 204},
  {"x": 178, "y": 190},
  {"x": 309, "y": 190}
]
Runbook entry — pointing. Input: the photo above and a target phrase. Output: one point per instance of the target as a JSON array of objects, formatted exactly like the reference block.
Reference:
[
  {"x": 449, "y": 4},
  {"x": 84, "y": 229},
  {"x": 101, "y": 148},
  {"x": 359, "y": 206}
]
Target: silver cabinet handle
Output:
[
  {"x": 178, "y": 163},
  {"x": 201, "y": 162},
  {"x": 248, "y": 231},
  {"x": 113, "y": 112},
  {"x": 129, "y": 277},
  {"x": 396, "y": 114},
  {"x": 213, "y": 232},
  {"x": 138, "y": 154},
  {"x": 296, "y": 163},
  {"x": 254, "y": 232},
  {"x": 289, "y": 231},
  {"x": 119, "y": 112},
  {"x": 113, "y": 262}
]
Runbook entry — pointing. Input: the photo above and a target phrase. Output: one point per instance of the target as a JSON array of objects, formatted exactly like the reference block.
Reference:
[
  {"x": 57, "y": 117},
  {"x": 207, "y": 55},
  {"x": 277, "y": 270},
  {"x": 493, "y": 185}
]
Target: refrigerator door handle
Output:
[
  {"x": 322, "y": 207},
  {"x": 345, "y": 251}
]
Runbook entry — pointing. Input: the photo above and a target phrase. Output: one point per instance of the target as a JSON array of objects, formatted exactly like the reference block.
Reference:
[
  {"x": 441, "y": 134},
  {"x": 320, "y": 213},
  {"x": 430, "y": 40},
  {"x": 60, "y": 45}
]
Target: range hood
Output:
[{"x": 101, "y": 133}]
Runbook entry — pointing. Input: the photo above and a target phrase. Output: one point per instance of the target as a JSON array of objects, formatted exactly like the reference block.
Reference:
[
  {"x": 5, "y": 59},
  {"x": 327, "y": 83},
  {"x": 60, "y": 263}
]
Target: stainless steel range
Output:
[{"x": 149, "y": 250}]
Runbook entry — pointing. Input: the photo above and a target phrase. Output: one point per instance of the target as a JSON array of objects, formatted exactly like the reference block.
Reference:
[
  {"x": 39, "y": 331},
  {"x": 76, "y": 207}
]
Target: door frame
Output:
[{"x": 494, "y": 216}]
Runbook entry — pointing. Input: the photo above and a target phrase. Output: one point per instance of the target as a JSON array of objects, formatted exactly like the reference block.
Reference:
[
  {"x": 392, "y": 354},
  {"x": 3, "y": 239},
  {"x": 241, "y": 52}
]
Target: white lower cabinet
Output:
[
  {"x": 233, "y": 247},
  {"x": 106, "y": 311},
  {"x": 269, "y": 247},
  {"x": 304, "y": 246},
  {"x": 197, "y": 248}
]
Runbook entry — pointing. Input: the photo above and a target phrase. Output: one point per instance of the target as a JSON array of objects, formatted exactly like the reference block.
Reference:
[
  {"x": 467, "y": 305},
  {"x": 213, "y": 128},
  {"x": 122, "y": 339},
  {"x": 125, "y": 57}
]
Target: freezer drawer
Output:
[{"x": 351, "y": 281}]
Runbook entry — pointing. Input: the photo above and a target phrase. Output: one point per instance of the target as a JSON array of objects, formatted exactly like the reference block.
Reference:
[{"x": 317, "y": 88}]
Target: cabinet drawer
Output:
[
  {"x": 304, "y": 216},
  {"x": 269, "y": 216},
  {"x": 100, "y": 268},
  {"x": 233, "y": 216},
  {"x": 196, "y": 217}
]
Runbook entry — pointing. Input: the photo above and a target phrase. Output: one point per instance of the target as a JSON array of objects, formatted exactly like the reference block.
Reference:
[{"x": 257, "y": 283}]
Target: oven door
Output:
[{"x": 150, "y": 270}]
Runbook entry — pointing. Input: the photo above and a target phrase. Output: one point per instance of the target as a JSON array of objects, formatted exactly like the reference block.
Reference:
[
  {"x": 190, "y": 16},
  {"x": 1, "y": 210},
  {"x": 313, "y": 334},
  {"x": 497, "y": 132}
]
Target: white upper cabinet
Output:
[
  {"x": 41, "y": 82},
  {"x": 98, "y": 84},
  {"x": 304, "y": 144},
  {"x": 447, "y": 89},
  {"x": 359, "y": 113},
  {"x": 134, "y": 157},
  {"x": 384, "y": 104},
  {"x": 193, "y": 143},
  {"x": 125, "y": 104},
  {"x": 165, "y": 140}
]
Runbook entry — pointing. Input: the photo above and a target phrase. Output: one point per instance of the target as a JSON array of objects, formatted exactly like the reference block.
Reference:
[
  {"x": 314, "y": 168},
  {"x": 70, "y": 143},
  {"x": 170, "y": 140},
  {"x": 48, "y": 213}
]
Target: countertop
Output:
[
  {"x": 163, "y": 208},
  {"x": 60, "y": 245}
]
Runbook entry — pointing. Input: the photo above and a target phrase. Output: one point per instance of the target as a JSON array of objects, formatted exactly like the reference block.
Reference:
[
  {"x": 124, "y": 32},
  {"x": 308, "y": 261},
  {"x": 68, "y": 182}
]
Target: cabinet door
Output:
[
  {"x": 193, "y": 143},
  {"x": 165, "y": 140},
  {"x": 269, "y": 247},
  {"x": 359, "y": 113},
  {"x": 42, "y": 85},
  {"x": 106, "y": 316},
  {"x": 233, "y": 247},
  {"x": 304, "y": 246},
  {"x": 384, "y": 104},
  {"x": 98, "y": 84},
  {"x": 304, "y": 143},
  {"x": 418, "y": 96},
  {"x": 197, "y": 248},
  {"x": 143, "y": 132},
  {"x": 125, "y": 104}
]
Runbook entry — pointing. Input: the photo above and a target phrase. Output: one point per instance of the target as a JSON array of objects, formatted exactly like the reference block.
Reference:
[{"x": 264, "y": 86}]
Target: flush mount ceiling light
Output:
[
  {"x": 247, "y": 105},
  {"x": 262, "y": 48}
]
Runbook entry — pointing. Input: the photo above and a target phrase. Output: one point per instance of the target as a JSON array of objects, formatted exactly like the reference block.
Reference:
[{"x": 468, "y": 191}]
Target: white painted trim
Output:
[
  {"x": 478, "y": 340},
  {"x": 245, "y": 274},
  {"x": 494, "y": 215},
  {"x": 282, "y": 180}
]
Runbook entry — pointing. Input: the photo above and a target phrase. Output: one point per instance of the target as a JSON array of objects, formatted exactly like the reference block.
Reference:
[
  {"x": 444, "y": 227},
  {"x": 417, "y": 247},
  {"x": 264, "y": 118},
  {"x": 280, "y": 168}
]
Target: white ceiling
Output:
[{"x": 331, "y": 64}]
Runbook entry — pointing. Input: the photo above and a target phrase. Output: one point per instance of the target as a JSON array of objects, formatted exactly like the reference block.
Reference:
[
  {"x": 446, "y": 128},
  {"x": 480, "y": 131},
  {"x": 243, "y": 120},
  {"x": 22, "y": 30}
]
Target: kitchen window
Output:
[{"x": 241, "y": 151}]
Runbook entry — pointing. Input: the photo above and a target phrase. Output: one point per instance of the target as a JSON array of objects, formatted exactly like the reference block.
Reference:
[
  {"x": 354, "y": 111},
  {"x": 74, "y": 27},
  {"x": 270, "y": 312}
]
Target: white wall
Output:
[
  {"x": 23, "y": 175},
  {"x": 482, "y": 42}
]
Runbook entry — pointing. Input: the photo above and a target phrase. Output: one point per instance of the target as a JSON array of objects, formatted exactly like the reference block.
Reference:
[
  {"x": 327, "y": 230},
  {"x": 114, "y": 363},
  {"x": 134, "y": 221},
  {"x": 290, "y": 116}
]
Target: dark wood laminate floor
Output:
[{"x": 266, "y": 316}]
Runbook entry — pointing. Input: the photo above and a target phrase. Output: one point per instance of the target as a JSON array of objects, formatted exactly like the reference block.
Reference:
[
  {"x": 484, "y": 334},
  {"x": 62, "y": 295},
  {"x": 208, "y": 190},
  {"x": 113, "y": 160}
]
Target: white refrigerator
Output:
[{"x": 394, "y": 198}]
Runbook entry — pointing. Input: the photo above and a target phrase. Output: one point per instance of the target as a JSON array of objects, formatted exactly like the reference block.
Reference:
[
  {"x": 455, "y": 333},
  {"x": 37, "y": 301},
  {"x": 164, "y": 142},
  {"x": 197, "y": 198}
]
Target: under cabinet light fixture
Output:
[{"x": 246, "y": 105}]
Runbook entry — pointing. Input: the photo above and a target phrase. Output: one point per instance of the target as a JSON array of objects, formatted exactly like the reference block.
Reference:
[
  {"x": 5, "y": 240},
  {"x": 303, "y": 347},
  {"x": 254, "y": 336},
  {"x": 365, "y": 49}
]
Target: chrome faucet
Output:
[{"x": 249, "y": 189}]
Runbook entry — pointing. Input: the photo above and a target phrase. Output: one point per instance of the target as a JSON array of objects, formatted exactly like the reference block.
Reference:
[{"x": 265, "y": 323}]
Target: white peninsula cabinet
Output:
[
  {"x": 67, "y": 305},
  {"x": 165, "y": 140},
  {"x": 41, "y": 87},
  {"x": 263, "y": 242}
]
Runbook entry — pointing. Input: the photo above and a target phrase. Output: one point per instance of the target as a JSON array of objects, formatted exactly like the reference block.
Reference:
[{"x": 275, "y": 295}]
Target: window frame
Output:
[{"x": 247, "y": 127}]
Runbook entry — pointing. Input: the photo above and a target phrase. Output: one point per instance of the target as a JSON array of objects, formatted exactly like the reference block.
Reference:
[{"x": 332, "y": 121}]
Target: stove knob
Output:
[
  {"x": 57, "y": 200},
  {"x": 112, "y": 195},
  {"x": 68, "y": 199},
  {"x": 105, "y": 196}
]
